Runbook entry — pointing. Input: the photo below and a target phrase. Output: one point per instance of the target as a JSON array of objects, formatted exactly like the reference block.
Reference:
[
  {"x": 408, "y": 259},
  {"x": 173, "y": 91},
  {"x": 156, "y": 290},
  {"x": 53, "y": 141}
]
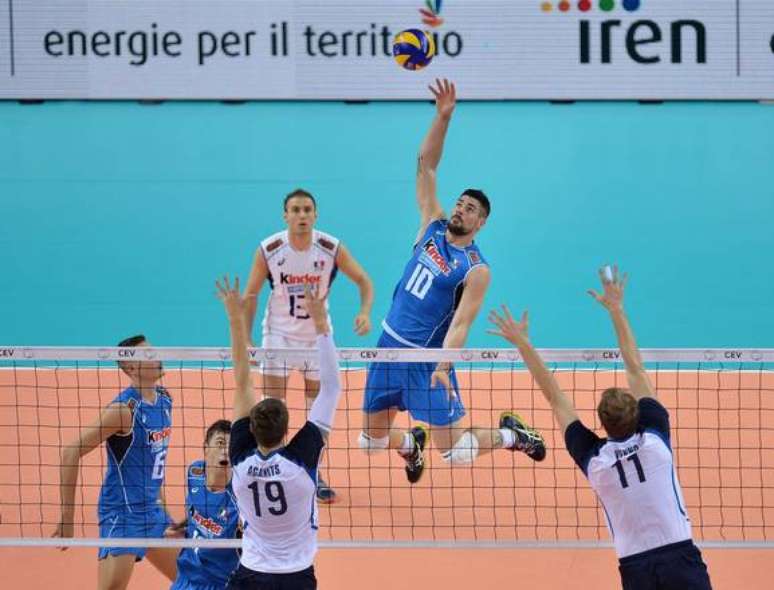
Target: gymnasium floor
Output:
[{"x": 723, "y": 445}]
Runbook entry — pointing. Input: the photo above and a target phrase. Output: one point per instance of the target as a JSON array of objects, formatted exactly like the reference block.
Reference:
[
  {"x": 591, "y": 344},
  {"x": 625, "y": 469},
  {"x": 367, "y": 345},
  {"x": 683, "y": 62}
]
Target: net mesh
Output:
[{"x": 721, "y": 405}]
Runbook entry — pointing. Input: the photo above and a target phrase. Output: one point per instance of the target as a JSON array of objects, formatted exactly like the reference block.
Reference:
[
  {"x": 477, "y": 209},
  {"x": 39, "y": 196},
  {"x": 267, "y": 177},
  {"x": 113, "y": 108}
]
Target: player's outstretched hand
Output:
[
  {"x": 612, "y": 288},
  {"x": 315, "y": 307},
  {"x": 516, "y": 333},
  {"x": 64, "y": 530},
  {"x": 362, "y": 324},
  {"x": 445, "y": 97},
  {"x": 230, "y": 296}
]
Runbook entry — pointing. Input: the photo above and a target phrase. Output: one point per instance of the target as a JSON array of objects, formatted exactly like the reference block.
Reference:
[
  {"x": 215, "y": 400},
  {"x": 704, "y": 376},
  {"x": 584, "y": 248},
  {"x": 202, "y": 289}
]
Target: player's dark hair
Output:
[
  {"x": 299, "y": 192},
  {"x": 132, "y": 341},
  {"x": 269, "y": 422},
  {"x": 619, "y": 412},
  {"x": 217, "y": 427},
  {"x": 479, "y": 196}
]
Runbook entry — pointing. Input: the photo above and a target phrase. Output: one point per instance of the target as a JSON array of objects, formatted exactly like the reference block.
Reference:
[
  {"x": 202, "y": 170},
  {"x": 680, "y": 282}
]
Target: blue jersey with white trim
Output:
[
  {"x": 136, "y": 461},
  {"x": 635, "y": 480},
  {"x": 428, "y": 293},
  {"x": 211, "y": 515}
]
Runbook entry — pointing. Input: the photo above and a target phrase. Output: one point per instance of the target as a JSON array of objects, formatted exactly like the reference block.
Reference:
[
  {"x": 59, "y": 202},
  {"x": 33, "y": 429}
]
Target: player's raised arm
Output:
[
  {"x": 350, "y": 267},
  {"x": 517, "y": 334},
  {"x": 324, "y": 407},
  {"x": 431, "y": 150},
  {"x": 472, "y": 297},
  {"x": 244, "y": 395},
  {"x": 611, "y": 299},
  {"x": 116, "y": 418},
  {"x": 258, "y": 274}
]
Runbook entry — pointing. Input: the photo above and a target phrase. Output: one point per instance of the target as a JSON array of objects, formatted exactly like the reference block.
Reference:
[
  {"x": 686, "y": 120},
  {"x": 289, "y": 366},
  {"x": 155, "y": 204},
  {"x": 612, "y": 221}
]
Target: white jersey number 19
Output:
[{"x": 274, "y": 493}]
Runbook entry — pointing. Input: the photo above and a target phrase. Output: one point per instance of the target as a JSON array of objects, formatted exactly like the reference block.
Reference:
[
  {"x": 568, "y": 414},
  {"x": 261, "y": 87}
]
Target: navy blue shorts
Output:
[
  {"x": 406, "y": 386},
  {"x": 678, "y": 566},
  {"x": 246, "y": 579}
]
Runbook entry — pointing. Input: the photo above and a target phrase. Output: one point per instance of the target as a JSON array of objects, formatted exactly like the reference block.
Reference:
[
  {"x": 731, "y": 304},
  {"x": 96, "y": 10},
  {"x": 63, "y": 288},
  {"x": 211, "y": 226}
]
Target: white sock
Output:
[
  {"x": 509, "y": 438},
  {"x": 407, "y": 445}
]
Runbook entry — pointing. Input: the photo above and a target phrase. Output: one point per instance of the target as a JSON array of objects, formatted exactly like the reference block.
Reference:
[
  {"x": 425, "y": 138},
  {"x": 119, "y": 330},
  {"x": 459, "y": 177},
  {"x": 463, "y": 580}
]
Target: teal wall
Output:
[{"x": 117, "y": 217}]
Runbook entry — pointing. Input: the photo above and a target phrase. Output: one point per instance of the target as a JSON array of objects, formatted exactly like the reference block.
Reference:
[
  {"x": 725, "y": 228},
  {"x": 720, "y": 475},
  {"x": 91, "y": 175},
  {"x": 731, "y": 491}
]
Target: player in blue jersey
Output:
[
  {"x": 433, "y": 306},
  {"x": 212, "y": 514},
  {"x": 135, "y": 428}
]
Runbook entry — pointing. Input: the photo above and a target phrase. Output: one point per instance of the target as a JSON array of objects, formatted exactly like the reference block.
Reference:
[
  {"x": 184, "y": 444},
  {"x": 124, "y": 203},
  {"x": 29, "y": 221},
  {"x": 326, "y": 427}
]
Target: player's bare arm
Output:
[
  {"x": 517, "y": 333},
  {"x": 611, "y": 298},
  {"x": 258, "y": 274},
  {"x": 472, "y": 297},
  {"x": 431, "y": 151},
  {"x": 244, "y": 394},
  {"x": 352, "y": 269},
  {"x": 115, "y": 419}
]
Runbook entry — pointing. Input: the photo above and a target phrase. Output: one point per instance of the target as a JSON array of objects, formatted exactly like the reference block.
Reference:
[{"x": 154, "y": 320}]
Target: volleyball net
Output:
[{"x": 721, "y": 404}]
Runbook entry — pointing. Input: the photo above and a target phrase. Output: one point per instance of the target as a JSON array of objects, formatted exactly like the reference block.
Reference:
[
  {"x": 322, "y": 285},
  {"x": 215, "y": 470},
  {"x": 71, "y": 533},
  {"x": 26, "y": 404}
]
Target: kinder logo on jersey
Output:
[
  {"x": 304, "y": 279},
  {"x": 206, "y": 524},
  {"x": 158, "y": 436},
  {"x": 431, "y": 251}
]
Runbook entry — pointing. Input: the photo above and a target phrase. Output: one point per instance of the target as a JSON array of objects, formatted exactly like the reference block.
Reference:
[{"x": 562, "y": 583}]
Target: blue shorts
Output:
[
  {"x": 677, "y": 566},
  {"x": 127, "y": 525},
  {"x": 406, "y": 386},
  {"x": 183, "y": 583}
]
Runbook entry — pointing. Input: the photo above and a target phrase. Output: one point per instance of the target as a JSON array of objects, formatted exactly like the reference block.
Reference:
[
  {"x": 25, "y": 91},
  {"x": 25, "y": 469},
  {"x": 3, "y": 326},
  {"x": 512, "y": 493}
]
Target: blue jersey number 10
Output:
[{"x": 420, "y": 281}]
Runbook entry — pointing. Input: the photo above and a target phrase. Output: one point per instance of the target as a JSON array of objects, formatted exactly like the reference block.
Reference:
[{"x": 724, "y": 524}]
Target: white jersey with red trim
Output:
[{"x": 289, "y": 271}]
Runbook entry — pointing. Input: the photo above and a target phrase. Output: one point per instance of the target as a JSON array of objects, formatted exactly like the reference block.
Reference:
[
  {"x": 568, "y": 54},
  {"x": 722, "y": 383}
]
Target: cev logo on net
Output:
[{"x": 586, "y": 5}]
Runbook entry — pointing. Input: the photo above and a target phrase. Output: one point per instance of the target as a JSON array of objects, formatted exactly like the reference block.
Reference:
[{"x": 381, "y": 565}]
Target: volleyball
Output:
[{"x": 413, "y": 49}]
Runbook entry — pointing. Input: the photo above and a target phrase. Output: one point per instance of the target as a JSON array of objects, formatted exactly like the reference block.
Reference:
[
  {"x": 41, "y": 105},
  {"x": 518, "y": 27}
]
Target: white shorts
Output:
[{"x": 281, "y": 367}]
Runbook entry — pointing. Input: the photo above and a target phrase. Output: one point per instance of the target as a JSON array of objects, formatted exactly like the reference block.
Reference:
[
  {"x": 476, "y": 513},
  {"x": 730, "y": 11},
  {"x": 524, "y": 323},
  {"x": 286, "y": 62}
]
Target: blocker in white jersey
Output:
[
  {"x": 276, "y": 496},
  {"x": 635, "y": 480},
  {"x": 632, "y": 470},
  {"x": 274, "y": 484}
]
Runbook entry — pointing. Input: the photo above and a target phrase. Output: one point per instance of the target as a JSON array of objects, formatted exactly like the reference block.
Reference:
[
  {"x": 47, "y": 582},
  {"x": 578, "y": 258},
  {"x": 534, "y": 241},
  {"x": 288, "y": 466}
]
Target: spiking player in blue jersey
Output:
[
  {"x": 135, "y": 428},
  {"x": 212, "y": 514},
  {"x": 433, "y": 306}
]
